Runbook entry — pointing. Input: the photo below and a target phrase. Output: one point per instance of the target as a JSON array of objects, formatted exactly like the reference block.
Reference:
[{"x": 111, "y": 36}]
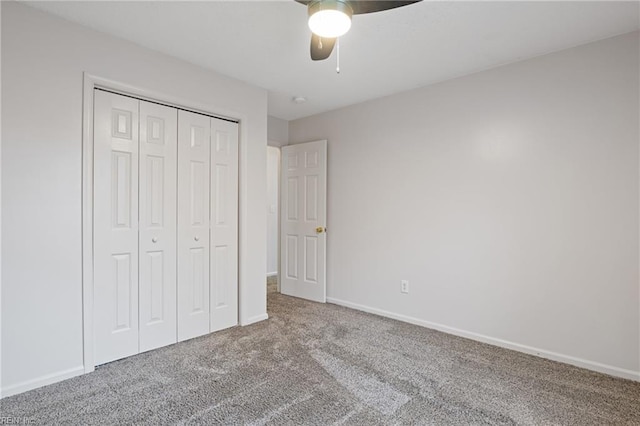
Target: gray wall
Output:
[
  {"x": 43, "y": 59},
  {"x": 278, "y": 134},
  {"x": 508, "y": 199},
  {"x": 273, "y": 201},
  {"x": 277, "y": 131}
]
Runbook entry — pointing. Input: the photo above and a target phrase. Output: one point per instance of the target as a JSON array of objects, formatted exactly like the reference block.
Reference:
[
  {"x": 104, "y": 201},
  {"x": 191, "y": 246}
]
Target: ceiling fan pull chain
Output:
[{"x": 338, "y": 53}]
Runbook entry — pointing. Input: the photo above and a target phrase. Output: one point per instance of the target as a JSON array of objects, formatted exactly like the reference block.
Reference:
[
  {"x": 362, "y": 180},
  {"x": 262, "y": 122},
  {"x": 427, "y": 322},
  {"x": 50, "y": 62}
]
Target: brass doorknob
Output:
[{"x": 320, "y": 230}]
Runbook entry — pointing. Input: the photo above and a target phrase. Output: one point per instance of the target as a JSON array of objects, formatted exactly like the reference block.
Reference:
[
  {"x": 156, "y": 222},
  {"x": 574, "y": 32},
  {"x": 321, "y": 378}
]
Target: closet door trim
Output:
[{"x": 90, "y": 84}]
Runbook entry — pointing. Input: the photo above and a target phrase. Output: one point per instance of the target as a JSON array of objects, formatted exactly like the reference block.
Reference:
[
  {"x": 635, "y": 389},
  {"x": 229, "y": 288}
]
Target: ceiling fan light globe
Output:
[{"x": 329, "y": 23}]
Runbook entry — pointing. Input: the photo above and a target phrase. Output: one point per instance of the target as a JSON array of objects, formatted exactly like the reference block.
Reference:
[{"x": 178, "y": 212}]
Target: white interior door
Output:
[
  {"x": 224, "y": 224},
  {"x": 194, "y": 132},
  {"x": 303, "y": 220},
  {"x": 158, "y": 163},
  {"x": 115, "y": 226}
]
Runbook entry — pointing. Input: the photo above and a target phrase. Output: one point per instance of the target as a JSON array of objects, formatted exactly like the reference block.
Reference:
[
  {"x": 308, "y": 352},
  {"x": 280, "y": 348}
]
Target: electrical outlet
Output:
[{"x": 404, "y": 286}]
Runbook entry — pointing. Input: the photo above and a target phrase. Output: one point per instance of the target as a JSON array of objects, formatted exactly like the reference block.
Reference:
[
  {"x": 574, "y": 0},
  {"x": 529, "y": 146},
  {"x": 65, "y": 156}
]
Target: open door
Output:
[{"x": 303, "y": 238}]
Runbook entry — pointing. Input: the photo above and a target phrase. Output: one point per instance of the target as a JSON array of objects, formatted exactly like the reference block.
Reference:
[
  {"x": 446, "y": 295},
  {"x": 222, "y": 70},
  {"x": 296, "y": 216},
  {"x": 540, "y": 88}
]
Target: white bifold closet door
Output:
[
  {"x": 115, "y": 226},
  {"x": 207, "y": 224},
  {"x": 157, "y": 222},
  {"x": 194, "y": 134},
  {"x": 224, "y": 224},
  {"x": 165, "y": 225},
  {"x": 135, "y": 155}
]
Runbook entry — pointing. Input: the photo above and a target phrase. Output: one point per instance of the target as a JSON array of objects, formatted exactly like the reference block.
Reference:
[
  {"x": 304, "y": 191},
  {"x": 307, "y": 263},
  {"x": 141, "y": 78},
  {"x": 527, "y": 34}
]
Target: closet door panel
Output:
[
  {"x": 115, "y": 226},
  {"x": 224, "y": 224},
  {"x": 193, "y": 224},
  {"x": 158, "y": 175}
]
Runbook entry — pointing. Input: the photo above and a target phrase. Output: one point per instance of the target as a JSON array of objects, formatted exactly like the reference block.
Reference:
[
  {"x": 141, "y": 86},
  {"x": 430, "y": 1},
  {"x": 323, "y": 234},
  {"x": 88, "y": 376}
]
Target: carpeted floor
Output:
[
  {"x": 272, "y": 284},
  {"x": 323, "y": 364}
]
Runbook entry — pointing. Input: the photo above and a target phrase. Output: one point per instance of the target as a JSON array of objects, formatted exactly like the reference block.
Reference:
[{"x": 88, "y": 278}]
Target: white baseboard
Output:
[
  {"x": 578, "y": 362},
  {"x": 255, "y": 319},
  {"x": 272, "y": 274},
  {"x": 42, "y": 381}
]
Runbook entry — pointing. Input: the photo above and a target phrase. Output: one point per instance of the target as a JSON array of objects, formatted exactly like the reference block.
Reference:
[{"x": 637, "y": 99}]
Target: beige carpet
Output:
[
  {"x": 272, "y": 284},
  {"x": 323, "y": 364}
]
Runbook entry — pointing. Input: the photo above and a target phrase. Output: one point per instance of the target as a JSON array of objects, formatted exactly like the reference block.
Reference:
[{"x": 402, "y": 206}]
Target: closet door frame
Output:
[{"x": 90, "y": 83}]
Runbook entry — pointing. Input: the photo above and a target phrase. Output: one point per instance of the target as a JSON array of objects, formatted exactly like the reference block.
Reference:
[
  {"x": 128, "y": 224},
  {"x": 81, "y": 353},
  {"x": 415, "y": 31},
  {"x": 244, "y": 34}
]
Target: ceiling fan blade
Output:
[
  {"x": 321, "y": 47},
  {"x": 361, "y": 7},
  {"x": 369, "y": 6}
]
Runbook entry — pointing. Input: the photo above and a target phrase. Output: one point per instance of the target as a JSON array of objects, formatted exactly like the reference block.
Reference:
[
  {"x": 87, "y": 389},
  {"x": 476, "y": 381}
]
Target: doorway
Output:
[
  {"x": 273, "y": 215},
  {"x": 131, "y": 153}
]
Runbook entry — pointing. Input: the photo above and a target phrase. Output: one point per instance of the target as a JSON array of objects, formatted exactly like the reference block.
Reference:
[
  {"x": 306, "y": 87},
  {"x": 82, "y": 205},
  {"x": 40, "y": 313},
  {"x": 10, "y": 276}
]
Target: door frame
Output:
[
  {"x": 90, "y": 83},
  {"x": 272, "y": 144}
]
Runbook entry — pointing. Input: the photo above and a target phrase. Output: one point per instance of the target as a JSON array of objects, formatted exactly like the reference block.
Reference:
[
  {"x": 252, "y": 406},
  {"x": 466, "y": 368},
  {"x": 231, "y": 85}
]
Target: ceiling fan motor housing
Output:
[
  {"x": 330, "y": 18},
  {"x": 338, "y": 5}
]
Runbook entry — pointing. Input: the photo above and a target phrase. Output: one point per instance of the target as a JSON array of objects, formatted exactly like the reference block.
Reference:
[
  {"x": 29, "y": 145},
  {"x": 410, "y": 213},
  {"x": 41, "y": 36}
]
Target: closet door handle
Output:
[
  {"x": 196, "y": 238},
  {"x": 154, "y": 240}
]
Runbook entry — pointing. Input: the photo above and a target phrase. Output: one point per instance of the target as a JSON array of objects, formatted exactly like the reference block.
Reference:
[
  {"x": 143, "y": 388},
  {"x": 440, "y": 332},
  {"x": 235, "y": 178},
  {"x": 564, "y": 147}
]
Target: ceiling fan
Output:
[{"x": 329, "y": 19}]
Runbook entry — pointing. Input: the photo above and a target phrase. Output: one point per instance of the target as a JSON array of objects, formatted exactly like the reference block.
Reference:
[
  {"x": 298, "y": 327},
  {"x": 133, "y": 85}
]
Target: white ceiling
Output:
[{"x": 266, "y": 43}]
